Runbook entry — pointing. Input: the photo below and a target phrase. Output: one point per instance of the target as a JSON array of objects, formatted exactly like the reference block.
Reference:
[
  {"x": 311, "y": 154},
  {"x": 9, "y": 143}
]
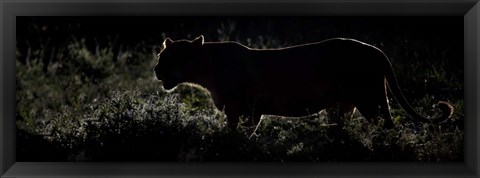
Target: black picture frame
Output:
[{"x": 9, "y": 10}]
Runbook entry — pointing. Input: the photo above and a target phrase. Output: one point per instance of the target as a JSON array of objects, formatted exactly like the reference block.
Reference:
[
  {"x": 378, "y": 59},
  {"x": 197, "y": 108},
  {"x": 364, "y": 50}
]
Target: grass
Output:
[{"x": 82, "y": 103}]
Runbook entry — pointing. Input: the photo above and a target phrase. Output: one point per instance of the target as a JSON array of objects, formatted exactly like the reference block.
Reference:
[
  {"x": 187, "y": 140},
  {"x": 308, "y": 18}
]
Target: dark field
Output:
[{"x": 86, "y": 92}]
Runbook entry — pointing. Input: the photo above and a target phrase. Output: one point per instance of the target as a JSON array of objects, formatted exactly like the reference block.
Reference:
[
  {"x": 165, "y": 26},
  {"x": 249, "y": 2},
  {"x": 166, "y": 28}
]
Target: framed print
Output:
[{"x": 245, "y": 89}]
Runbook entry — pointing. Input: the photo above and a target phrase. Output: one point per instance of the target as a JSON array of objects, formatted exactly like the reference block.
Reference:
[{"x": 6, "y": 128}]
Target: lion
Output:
[{"x": 291, "y": 81}]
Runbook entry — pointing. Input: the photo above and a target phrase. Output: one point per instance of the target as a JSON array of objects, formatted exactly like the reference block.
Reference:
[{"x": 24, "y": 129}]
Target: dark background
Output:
[
  {"x": 402, "y": 38},
  {"x": 444, "y": 32}
]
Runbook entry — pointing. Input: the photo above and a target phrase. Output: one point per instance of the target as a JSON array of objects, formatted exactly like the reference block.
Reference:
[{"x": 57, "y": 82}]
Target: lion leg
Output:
[
  {"x": 233, "y": 117},
  {"x": 249, "y": 115},
  {"x": 347, "y": 110},
  {"x": 342, "y": 112},
  {"x": 387, "y": 117},
  {"x": 372, "y": 111}
]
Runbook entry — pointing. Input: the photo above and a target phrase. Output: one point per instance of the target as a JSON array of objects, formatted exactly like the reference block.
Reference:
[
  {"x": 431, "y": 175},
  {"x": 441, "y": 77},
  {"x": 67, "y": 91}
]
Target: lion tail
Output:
[{"x": 445, "y": 107}]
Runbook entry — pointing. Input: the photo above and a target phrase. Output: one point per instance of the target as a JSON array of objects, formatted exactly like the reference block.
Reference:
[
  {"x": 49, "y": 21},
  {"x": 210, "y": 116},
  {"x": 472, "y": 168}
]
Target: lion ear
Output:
[
  {"x": 199, "y": 40},
  {"x": 158, "y": 49},
  {"x": 167, "y": 42}
]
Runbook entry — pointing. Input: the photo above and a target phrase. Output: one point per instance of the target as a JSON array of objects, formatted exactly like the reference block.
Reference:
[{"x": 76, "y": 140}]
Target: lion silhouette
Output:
[{"x": 291, "y": 81}]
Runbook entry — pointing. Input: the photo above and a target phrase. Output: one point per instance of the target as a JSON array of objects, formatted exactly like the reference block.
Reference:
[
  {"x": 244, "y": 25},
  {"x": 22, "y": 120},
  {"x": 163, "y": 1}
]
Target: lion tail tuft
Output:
[{"x": 446, "y": 108}]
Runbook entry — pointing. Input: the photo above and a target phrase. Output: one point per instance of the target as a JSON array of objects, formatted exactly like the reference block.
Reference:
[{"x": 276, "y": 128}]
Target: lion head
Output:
[{"x": 177, "y": 61}]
